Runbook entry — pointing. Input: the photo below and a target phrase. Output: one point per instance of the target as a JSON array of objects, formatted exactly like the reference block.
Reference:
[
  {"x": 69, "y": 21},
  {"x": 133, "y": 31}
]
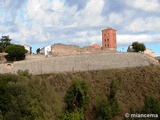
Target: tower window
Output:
[
  {"x": 105, "y": 45},
  {"x": 106, "y": 34},
  {"x": 107, "y": 39},
  {"x": 108, "y": 45}
]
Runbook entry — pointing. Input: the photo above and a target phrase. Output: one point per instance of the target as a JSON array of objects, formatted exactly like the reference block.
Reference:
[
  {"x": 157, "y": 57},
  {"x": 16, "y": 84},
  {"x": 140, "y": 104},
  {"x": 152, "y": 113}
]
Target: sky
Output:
[{"x": 40, "y": 23}]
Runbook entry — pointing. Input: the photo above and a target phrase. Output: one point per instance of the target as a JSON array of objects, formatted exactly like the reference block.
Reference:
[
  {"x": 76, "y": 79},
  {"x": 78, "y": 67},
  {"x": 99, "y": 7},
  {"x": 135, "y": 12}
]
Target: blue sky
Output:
[{"x": 40, "y": 23}]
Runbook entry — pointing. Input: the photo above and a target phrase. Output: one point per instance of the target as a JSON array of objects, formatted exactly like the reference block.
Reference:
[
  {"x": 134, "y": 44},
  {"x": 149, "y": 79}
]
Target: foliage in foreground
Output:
[
  {"x": 107, "y": 108},
  {"x": 27, "y": 98},
  {"x": 77, "y": 96},
  {"x": 103, "y": 109},
  {"x": 72, "y": 115},
  {"x": 77, "y": 101},
  {"x": 151, "y": 105}
]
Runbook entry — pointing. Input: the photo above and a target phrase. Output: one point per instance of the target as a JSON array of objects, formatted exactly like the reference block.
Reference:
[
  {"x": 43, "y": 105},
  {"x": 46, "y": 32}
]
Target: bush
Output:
[
  {"x": 103, "y": 109},
  {"x": 24, "y": 73},
  {"x": 107, "y": 108},
  {"x": 1, "y": 116},
  {"x": 77, "y": 96},
  {"x": 5, "y": 97},
  {"x": 15, "y": 52},
  {"x": 28, "y": 98},
  {"x": 151, "y": 105},
  {"x": 113, "y": 100},
  {"x": 72, "y": 115}
]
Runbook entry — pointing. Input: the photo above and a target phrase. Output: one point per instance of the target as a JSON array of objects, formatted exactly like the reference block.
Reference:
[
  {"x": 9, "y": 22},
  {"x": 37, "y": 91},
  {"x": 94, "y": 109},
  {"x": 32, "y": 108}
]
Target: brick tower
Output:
[{"x": 109, "y": 39}]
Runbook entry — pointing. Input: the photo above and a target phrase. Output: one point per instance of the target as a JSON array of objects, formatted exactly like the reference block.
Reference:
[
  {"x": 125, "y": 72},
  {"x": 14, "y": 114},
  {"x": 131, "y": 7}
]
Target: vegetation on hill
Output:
[
  {"x": 27, "y": 97},
  {"x": 91, "y": 95},
  {"x": 15, "y": 52},
  {"x": 138, "y": 47},
  {"x": 4, "y": 42}
]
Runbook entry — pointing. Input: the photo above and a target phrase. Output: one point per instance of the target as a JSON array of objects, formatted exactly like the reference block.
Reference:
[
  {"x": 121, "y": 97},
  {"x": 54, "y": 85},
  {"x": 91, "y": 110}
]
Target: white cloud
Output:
[
  {"x": 46, "y": 21},
  {"x": 115, "y": 18},
  {"x": 143, "y": 38},
  {"x": 148, "y": 24},
  {"x": 146, "y": 5}
]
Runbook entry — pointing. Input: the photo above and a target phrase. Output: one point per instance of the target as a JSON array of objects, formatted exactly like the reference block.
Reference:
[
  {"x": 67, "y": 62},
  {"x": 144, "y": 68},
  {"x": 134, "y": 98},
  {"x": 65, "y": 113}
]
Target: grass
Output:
[{"x": 132, "y": 85}]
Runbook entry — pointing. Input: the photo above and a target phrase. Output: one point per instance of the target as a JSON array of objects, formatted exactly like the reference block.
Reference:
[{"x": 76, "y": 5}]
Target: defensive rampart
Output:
[
  {"x": 82, "y": 62},
  {"x": 65, "y": 50}
]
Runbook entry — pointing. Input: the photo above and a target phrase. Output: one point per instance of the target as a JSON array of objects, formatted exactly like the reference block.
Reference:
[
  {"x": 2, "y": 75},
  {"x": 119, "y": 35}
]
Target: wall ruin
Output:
[{"x": 83, "y": 62}]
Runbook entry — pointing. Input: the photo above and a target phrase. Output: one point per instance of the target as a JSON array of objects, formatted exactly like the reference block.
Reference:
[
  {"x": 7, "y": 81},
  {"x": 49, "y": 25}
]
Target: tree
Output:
[
  {"x": 113, "y": 100},
  {"x": 151, "y": 105},
  {"x": 28, "y": 98},
  {"x": 71, "y": 115},
  {"x": 4, "y": 42},
  {"x": 77, "y": 96},
  {"x": 103, "y": 109},
  {"x": 138, "y": 47},
  {"x": 5, "y": 96},
  {"x": 15, "y": 52},
  {"x": 38, "y": 50}
]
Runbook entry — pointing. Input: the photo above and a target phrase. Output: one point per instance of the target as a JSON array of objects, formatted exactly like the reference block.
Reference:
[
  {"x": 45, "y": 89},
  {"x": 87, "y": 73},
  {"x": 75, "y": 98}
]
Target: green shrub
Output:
[
  {"x": 113, "y": 100},
  {"x": 29, "y": 98},
  {"x": 24, "y": 73},
  {"x": 15, "y": 52},
  {"x": 151, "y": 105},
  {"x": 1, "y": 116},
  {"x": 5, "y": 96},
  {"x": 77, "y": 96},
  {"x": 72, "y": 115},
  {"x": 103, "y": 109}
]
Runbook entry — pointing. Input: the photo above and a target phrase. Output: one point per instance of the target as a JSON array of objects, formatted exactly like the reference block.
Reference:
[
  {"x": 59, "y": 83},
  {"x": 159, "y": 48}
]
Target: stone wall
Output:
[
  {"x": 82, "y": 62},
  {"x": 65, "y": 50}
]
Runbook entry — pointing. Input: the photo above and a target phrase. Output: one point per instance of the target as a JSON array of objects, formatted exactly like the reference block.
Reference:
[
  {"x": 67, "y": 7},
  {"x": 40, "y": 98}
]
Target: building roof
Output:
[
  {"x": 26, "y": 45},
  {"x": 108, "y": 28},
  {"x": 96, "y": 46}
]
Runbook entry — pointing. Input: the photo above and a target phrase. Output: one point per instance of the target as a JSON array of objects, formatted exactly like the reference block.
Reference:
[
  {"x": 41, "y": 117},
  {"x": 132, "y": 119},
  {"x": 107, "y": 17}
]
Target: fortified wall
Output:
[
  {"x": 65, "y": 50},
  {"x": 83, "y": 62}
]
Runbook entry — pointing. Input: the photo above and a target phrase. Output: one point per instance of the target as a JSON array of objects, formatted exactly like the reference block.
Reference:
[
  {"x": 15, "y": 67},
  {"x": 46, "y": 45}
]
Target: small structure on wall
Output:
[
  {"x": 109, "y": 39},
  {"x": 46, "y": 50},
  {"x": 2, "y": 57},
  {"x": 149, "y": 52},
  {"x": 96, "y": 46},
  {"x": 28, "y": 48},
  {"x": 130, "y": 49}
]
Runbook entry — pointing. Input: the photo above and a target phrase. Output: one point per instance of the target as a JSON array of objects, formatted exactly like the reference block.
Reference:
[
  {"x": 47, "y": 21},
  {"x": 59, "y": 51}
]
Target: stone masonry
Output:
[
  {"x": 84, "y": 62},
  {"x": 67, "y": 50}
]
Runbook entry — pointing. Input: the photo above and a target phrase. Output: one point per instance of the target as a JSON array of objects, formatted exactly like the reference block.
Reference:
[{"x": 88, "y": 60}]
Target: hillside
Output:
[
  {"x": 132, "y": 85},
  {"x": 27, "y": 96}
]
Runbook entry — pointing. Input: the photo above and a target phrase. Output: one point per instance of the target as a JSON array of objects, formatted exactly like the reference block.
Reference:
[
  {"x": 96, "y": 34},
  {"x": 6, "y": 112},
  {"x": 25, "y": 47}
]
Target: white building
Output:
[
  {"x": 130, "y": 49},
  {"x": 28, "y": 48},
  {"x": 46, "y": 50},
  {"x": 149, "y": 52}
]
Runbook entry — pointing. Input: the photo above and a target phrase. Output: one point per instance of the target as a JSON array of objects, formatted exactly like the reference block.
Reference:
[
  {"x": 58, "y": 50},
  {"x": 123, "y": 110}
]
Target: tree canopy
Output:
[
  {"x": 15, "y": 52},
  {"x": 138, "y": 47},
  {"x": 4, "y": 42}
]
